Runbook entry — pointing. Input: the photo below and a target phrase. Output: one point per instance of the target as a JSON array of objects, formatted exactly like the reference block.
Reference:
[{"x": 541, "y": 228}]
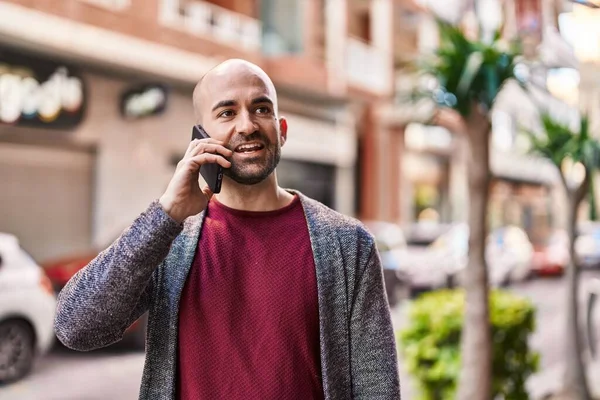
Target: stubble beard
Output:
[{"x": 254, "y": 171}]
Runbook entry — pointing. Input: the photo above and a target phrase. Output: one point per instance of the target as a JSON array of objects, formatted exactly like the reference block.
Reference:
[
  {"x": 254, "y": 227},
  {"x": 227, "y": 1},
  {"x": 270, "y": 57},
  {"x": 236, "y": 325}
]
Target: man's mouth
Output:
[{"x": 249, "y": 148}]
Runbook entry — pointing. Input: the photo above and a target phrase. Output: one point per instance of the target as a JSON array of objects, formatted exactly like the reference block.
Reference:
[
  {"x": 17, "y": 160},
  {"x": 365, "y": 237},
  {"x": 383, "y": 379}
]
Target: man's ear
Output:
[{"x": 283, "y": 128}]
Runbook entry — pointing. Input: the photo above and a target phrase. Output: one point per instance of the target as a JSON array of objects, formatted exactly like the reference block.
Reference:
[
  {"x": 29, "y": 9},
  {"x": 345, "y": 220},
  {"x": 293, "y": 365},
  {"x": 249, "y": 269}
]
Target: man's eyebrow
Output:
[
  {"x": 262, "y": 99},
  {"x": 224, "y": 103}
]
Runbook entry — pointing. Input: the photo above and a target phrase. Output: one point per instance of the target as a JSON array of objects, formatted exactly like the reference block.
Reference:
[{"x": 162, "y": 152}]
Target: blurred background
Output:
[{"x": 95, "y": 112}]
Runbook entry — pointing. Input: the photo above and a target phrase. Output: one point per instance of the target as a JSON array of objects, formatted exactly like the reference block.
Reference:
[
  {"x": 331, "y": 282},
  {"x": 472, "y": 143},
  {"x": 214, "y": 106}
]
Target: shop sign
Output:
[
  {"x": 144, "y": 100},
  {"x": 38, "y": 92}
]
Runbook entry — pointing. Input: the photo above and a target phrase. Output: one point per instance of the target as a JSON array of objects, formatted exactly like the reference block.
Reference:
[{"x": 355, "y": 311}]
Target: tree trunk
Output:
[
  {"x": 574, "y": 385},
  {"x": 476, "y": 346}
]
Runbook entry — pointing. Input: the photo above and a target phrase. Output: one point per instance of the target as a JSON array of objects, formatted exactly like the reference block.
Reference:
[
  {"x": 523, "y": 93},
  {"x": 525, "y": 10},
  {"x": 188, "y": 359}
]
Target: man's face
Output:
[{"x": 238, "y": 108}]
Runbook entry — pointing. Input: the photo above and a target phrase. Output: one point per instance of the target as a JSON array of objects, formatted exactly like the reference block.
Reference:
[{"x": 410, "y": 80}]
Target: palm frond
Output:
[
  {"x": 470, "y": 70},
  {"x": 540, "y": 145},
  {"x": 561, "y": 142},
  {"x": 469, "y": 73}
]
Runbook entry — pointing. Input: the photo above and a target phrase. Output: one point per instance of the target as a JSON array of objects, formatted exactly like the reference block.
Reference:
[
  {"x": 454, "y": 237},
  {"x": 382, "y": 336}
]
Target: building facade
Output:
[
  {"x": 421, "y": 169},
  {"x": 96, "y": 102}
]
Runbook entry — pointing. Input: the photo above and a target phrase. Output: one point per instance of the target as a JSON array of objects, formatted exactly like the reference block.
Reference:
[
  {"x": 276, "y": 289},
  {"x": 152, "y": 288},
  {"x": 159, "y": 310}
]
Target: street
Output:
[
  {"x": 68, "y": 375},
  {"x": 115, "y": 373}
]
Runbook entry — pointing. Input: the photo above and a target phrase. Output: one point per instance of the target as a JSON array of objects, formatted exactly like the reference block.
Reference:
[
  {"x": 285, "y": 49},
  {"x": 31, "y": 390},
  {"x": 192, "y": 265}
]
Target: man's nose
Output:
[{"x": 246, "y": 124}]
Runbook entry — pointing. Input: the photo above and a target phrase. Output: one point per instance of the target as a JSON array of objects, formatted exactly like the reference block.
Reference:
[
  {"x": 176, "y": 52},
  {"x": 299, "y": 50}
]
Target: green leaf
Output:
[
  {"x": 431, "y": 343},
  {"x": 592, "y": 200},
  {"x": 471, "y": 70}
]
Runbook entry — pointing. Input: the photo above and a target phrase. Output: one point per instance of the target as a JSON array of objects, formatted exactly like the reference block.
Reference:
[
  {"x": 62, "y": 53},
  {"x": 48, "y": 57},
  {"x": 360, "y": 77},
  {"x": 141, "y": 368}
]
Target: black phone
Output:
[{"x": 212, "y": 173}]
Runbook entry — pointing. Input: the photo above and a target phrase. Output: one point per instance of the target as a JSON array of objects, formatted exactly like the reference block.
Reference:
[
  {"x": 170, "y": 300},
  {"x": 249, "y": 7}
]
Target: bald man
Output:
[{"x": 256, "y": 292}]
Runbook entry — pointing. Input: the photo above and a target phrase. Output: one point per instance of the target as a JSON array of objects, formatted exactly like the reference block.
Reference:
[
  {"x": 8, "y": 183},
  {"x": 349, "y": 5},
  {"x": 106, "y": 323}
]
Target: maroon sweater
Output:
[{"x": 248, "y": 317}]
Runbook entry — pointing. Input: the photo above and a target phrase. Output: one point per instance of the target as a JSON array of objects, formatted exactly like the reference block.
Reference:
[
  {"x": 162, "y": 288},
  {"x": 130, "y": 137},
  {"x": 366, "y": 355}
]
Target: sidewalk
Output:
[{"x": 548, "y": 381}]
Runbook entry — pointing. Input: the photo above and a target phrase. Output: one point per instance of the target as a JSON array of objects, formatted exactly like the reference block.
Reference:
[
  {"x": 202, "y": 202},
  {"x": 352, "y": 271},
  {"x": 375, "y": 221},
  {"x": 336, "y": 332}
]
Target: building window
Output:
[
  {"x": 205, "y": 19},
  {"x": 282, "y": 26}
]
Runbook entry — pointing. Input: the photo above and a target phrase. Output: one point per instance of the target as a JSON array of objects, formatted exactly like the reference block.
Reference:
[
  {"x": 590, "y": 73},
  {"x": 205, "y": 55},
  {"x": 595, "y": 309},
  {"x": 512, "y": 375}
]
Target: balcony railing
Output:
[
  {"x": 204, "y": 19},
  {"x": 368, "y": 67},
  {"x": 113, "y": 5}
]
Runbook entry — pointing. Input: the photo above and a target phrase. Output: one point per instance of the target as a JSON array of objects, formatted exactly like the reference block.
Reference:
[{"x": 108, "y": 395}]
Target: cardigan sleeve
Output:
[
  {"x": 374, "y": 362},
  {"x": 104, "y": 298}
]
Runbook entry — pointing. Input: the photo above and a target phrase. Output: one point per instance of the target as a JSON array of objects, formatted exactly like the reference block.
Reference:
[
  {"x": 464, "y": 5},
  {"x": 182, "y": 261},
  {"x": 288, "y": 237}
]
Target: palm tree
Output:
[
  {"x": 470, "y": 73},
  {"x": 562, "y": 145}
]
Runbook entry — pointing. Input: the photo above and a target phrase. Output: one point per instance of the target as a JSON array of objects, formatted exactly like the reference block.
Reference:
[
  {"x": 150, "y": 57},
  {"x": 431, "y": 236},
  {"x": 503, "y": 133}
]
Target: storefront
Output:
[
  {"x": 428, "y": 187},
  {"x": 319, "y": 157},
  {"x": 524, "y": 192},
  {"x": 427, "y": 163},
  {"x": 47, "y": 182},
  {"x": 87, "y": 153},
  {"x": 75, "y": 179}
]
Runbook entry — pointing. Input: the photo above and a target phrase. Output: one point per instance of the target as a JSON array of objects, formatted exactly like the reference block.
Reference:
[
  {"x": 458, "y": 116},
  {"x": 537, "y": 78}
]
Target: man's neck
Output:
[{"x": 264, "y": 196}]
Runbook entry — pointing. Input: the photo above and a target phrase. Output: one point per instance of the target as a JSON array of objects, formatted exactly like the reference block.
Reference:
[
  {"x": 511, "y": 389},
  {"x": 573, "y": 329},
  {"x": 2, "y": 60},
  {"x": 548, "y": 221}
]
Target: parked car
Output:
[
  {"x": 415, "y": 267},
  {"x": 509, "y": 255},
  {"x": 61, "y": 270},
  {"x": 391, "y": 244},
  {"x": 27, "y": 309},
  {"x": 443, "y": 262},
  {"x": 552, "y": 257},
  {"x": 587, "y": 245},
  {"x": 592, "y": 318}
]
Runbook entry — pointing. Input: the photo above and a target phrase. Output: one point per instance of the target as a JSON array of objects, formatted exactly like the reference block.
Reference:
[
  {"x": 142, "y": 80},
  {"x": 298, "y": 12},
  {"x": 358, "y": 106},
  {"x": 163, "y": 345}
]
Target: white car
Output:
[
  {"x": 27, "y": 309},
  {"x": 443, "y": 263},
  {"x": 509, "y": 254}
]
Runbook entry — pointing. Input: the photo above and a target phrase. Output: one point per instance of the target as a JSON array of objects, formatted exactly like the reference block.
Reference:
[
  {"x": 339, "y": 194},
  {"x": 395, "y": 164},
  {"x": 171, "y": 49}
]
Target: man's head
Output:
[{"x": 236, "y": 103}]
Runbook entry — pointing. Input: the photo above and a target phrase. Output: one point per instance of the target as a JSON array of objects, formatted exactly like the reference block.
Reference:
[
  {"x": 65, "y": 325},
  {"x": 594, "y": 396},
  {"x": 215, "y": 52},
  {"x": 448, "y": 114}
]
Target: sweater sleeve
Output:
[
  {"x": 374, "y": 362},
  {"x": 103, "y": 299}
]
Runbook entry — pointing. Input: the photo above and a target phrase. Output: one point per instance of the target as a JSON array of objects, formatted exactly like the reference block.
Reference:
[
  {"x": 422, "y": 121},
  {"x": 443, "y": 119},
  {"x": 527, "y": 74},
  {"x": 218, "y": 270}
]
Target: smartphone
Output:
[{"x": 212, "y": 173}]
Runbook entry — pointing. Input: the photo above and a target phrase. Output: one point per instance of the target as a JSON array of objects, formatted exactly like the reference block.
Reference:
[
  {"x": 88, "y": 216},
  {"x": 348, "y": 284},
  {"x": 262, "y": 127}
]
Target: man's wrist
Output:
[{"x": 169, "y": 208}]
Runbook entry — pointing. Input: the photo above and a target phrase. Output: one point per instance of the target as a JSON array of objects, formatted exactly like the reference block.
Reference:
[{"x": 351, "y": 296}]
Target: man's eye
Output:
[
  {"x": 263, "y": 110},
  {"x": 226, "y": 113}
]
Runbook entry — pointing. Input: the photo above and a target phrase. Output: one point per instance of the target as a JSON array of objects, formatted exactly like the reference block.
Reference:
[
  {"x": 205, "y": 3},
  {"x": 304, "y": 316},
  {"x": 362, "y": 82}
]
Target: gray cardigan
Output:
[{"x": 145, "y": 270}]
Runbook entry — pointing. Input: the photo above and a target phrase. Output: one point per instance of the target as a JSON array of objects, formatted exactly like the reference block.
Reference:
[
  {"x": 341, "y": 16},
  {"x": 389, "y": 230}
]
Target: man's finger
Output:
[
  {"x": 210, "y": 158},
  {"x": 196, "y": 142},
  {"x": 210, "y": 148}
]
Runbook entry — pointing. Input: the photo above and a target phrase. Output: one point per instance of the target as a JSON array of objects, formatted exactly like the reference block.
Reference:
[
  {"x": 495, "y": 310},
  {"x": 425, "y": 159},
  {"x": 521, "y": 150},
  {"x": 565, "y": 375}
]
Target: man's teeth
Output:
[{"x": 249, "y": 148}]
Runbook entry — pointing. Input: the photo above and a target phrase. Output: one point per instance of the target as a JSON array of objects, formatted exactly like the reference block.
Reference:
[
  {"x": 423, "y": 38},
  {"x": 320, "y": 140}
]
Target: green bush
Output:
[{"x": 431, "y": 343}]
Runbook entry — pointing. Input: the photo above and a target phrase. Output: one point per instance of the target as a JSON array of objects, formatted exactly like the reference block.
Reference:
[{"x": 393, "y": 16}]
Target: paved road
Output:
[
  {"x": 549, "y": 296},
  {"x": 115, "y": 374},
  {"x": 66, "y": 375}
]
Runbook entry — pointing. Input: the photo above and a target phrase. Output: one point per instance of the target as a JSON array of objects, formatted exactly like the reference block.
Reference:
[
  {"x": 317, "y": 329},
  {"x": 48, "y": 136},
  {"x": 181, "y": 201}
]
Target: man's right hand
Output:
[{"x": 184, "y": 197}]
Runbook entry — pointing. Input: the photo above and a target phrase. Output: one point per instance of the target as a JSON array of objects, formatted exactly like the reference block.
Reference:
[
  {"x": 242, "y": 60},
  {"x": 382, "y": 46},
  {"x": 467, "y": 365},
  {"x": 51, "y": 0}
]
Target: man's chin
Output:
[{"x": 248, "y": 179}]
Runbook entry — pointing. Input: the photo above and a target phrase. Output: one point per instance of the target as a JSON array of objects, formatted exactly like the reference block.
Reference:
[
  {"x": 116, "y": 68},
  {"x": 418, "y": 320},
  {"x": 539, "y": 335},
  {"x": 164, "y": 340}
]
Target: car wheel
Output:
[{"x": 16, "y": 350}]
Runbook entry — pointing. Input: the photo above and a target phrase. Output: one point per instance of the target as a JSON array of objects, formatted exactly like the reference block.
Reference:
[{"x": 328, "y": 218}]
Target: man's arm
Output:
[
  {"x": 103, "y": 299},
  {"x": 374, "y": 362}
]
